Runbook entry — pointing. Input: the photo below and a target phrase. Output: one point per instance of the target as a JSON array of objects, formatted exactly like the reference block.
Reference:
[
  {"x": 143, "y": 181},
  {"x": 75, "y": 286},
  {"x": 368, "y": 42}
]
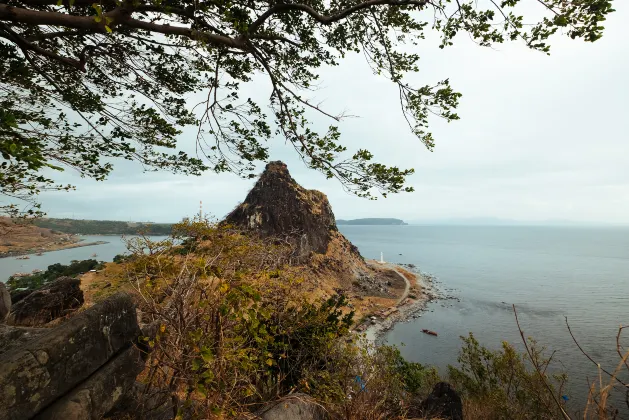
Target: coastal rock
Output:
[
  {"x": 5, "y": 302},
  {"x": 100, "y": 392},
  {"x": 293, "y": 407},
  {"x": 443, "y": 403},
  {"x": 18, "y": 295},
  {"x": 44, "y": 369},
  {"x": 15, "y": 337},
  {"x": 50, "y": 302},
  {"x": 280, "y": 208}
]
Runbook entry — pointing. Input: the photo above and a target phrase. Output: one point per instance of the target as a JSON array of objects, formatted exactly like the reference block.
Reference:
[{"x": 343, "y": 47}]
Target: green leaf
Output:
[
  {"x": 107, "y": 28},
  {"x": 206, "y": 354}
]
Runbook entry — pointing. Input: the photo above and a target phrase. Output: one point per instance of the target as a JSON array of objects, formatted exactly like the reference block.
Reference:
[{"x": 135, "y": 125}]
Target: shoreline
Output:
[
  {"x": 403, "y": 312},
  {"x": 78, "y": 244}
]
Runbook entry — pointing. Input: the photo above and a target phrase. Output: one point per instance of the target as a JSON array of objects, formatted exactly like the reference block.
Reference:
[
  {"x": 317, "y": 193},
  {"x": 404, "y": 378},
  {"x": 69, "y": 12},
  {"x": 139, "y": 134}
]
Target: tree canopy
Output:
[{"x": 82, "y": 82}]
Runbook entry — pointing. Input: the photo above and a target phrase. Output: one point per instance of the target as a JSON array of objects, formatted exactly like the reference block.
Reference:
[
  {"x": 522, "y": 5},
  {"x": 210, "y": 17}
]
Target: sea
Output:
[{"x": 552, "y": 275}]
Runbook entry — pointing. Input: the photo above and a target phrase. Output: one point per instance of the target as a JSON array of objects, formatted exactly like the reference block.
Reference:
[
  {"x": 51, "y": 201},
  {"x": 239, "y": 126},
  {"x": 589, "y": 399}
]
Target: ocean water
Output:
[{"x": 548, "y": 273}]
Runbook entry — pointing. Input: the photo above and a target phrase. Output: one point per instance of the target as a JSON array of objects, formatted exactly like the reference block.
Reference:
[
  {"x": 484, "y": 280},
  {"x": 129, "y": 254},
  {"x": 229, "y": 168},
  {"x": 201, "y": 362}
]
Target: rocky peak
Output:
[{"x": 279, "y": 207}]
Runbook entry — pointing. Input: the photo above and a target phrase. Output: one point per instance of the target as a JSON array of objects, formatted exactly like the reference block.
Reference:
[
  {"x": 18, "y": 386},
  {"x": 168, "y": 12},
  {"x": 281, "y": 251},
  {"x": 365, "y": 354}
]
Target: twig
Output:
[
  {"x": 588, "y": 356},
  {"x": 535, "y": 365}
]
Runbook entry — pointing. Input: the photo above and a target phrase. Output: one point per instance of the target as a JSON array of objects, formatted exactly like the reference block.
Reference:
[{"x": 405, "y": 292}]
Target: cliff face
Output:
[{"x": 279, "y": 207}]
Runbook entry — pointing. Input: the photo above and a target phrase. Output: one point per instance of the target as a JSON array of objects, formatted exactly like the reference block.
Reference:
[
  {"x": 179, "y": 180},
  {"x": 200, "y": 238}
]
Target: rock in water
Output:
[
  {"x": 50, "y": 302},
  {"x": 279, "y": 207},
  {"x": 5, "y": 302}
]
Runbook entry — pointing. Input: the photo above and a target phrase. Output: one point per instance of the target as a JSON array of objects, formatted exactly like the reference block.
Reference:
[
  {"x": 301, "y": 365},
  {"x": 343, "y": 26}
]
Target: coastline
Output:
[
  {"x": 78, "y": 244},
  {"x": 406, "y": 309}
]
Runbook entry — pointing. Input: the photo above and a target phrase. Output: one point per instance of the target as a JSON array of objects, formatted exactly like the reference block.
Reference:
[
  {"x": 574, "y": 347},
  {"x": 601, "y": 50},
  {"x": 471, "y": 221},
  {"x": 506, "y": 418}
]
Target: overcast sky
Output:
[{"x": 540, "y": 137}]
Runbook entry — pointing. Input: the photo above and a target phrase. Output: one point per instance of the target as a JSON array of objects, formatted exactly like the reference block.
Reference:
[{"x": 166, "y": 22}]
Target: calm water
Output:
[
  {"x": 105, "y": 252},
  {"x": 548, "y": 273}
]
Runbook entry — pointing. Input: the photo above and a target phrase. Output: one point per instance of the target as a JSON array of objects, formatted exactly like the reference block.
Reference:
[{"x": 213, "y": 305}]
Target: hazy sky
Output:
[{"x": 539, "y": 138}]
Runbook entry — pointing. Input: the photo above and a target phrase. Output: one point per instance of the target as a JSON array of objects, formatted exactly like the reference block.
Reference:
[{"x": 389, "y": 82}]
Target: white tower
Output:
[{"x": 381, "y": 258}]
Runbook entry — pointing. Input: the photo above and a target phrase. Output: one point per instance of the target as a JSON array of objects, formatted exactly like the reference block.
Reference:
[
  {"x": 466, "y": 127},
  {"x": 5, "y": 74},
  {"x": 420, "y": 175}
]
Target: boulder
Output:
[
  {"x": 39, "y": 372},
  {"x": 18, "y": 295},
  {"x": 293, "y": 407},
  {"x": 5, "y": 302},
  {"x": 100, "y": 393},
  {"x": 443, "y": 402},
  {"x": 47, "y": 303},
  {"x": 14, "y": 337}
]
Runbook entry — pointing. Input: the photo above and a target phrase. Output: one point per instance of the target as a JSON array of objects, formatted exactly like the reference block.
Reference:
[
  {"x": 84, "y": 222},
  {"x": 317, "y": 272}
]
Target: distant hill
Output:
[
  {"x": 103, "y": 227},
  {"x": 372, "y": 221}
]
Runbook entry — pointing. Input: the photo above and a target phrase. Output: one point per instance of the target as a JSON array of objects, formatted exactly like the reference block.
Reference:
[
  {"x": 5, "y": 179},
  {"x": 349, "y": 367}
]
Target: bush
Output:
[
  {"x": 236, "y": 330},
  {"x": 504, "y": 384}
]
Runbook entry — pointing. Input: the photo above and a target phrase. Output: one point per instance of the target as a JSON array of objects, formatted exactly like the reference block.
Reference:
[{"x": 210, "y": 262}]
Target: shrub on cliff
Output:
[
  {"x": 234, "y": 330},
  {"x": 505, "y": 384}
]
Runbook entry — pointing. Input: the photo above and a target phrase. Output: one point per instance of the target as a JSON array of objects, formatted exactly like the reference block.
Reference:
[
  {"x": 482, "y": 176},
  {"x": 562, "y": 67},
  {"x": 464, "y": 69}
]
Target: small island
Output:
[{"x": 373, "y": 221}]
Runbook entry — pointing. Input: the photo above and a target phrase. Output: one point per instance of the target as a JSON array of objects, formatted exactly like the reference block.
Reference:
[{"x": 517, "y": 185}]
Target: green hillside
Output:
[{"x": 104, "y": 227}]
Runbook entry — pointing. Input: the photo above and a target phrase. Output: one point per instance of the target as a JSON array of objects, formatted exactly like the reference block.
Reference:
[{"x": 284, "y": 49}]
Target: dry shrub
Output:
[
  {"x": 600, "y": 393},
  {"x": 232, "y": 331}
]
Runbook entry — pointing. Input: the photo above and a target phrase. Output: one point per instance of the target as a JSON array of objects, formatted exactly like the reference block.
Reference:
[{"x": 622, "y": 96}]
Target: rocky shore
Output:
[{"x": 407, "y": 309}]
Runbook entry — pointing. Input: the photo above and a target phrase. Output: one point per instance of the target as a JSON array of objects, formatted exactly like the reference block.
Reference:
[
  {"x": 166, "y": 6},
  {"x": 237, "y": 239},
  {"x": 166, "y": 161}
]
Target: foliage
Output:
[
  {"x": 506, "y": 383},
  {"x": 103, "y": 227},
  {"x": 53, "y": 272},
  {"x": 234, "y": 330},
  {"x": 120, "y": 258},
  {"x": 84, "y": 82}
]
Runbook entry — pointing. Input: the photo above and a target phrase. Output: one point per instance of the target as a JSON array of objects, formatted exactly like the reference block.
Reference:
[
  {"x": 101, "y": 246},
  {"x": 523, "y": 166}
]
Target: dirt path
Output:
[
  {"x": 393, "y": 267},
  {"x": 406, "y": 282}
]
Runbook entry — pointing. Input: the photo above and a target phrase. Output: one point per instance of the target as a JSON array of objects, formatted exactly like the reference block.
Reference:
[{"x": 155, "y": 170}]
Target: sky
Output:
[{"x": 540, "y": 138}]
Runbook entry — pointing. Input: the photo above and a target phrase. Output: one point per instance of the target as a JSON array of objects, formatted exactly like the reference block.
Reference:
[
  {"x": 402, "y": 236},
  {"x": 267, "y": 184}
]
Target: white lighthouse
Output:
[{"x": 381, "y": 258}]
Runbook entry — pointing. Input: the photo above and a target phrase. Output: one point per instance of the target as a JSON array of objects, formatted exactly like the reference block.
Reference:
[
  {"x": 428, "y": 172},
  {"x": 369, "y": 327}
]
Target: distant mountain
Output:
[{"x": 372, "y": 221}]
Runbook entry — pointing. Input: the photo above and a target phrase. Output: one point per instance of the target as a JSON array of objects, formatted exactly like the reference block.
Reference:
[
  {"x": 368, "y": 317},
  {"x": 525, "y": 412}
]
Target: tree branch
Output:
[
  {"x": 117, "y": 17},
  {"x": 25, "y": 45},
  {"x": 328, "y": 19}
]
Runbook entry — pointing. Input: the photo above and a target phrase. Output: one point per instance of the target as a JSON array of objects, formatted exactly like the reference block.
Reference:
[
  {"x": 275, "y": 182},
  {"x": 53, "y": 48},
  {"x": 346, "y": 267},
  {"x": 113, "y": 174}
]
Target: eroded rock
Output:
[
  {"x": 100, "y": 392},
  {"x": 47, "y": 303},
  {"x": 49, "y": 366},
  {"x": 5, "y": 302},
  {"x": 277, "y": 206}
]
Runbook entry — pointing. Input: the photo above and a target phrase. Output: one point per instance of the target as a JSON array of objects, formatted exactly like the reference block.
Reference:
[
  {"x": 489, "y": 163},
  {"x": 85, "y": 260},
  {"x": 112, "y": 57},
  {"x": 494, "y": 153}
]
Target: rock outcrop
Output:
[
  {"x": 443, "y": 403},
  {"x": 293, "y": 407},
  {"x": 47, "y": 303},
  {"x": 278, "y": 207},
  {"x": 5, "y": 302},
  {"x": 77, "y": 370}
]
